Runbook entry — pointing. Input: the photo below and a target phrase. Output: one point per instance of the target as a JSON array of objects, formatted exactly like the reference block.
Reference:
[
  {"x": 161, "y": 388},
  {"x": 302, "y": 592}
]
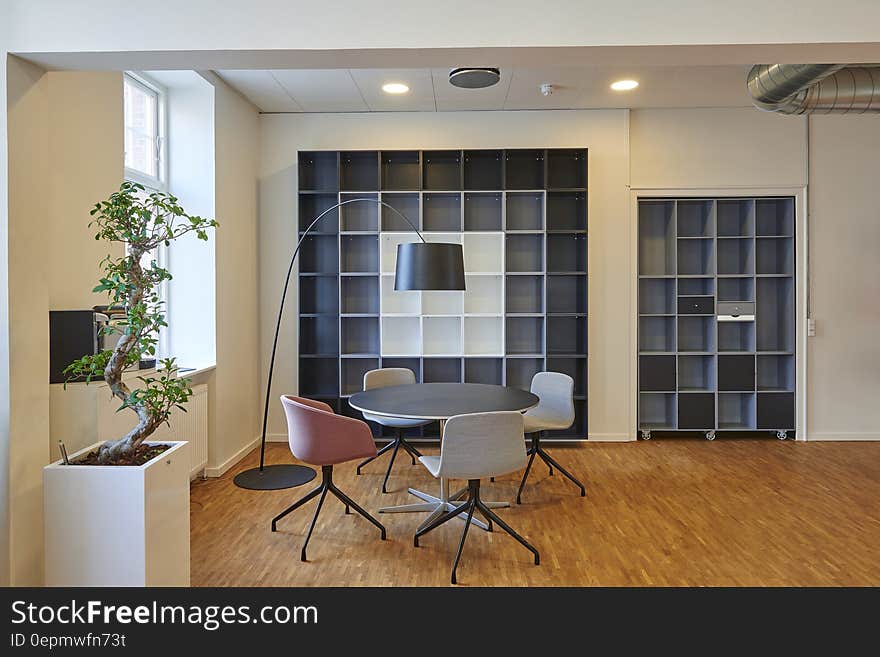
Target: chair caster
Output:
[{"x": 710, "y": 435}]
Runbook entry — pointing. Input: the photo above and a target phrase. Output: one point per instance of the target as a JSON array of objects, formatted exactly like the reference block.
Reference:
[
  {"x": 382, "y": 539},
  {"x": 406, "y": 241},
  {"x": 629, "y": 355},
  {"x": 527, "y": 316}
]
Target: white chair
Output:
[
  {"x": 382, "y": 378},
  {"x": 555, "y": 410},
  {"x": 477, "y": 446}
]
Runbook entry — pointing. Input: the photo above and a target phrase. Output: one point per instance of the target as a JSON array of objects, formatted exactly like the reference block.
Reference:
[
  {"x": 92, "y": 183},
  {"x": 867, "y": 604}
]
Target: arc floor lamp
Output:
[{"x": 420, "y": 266}]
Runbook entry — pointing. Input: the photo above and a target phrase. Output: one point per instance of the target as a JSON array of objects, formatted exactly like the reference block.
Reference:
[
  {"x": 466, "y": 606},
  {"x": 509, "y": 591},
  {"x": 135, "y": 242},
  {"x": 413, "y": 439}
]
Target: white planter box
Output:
[{"x": 118, "y": 525}]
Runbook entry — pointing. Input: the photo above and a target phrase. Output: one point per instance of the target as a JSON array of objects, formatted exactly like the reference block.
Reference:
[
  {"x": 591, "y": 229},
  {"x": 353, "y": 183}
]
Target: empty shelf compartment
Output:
[
  {"x": 524, "y": 169},
  {"x": 318, "y": 171},
  {"x": 442, "y": 370},
  {"x": 408, "y": 302},
  {"x": 484, "y": 295},
  {"x": 696, "y": 411},
  {"x": 566, "y": 252},
  {"x": 566, "y": 168},
  {"x": 405, "y": 204},
  {"x": 524, "y": 335},
  {"x": 319, "y": 377},
  {"x": 775, "y": 256},
  {"x": 318, "y": 294},
  {"x": 736, "y": 411},
  {"x": 441, "y": 335},
  {"x": 566, "y": 211},
  {"x": 694, "y": 218},
  {"x": 696, "y": 373},
  {"x": 360, "y": 254},
  {"x": 319, "y": 335},
  {"x": 441, "y": 212},
  {"x": 483, "y": 169},
  {"x": 524, "y": 294},
  {"x": 352, "y": 373},
  {"x": 736, "y": 372},
  {"x": 483, "y": 253},
  {"x": 566, "y": 294},
  {"x": 736, "y": 289},
  {"x": 696, "y": 257},
  {"x": 657, "y": 296},
  {"x": 441, "y": 170},
  {"x": 776, "y": 410},
  {"x": 696, "y": 334},
  {"x": 359, "y": 170},
  {"x": 525, "y": 211},
  {"x": 567, "y": 335},
  {"x": 360, "y": 212},
  {"x": 775, "y": 373},
  {"x": 736, "y": 336},
  {"x": 414, "y": 365},
  {"x": 359, "y": 294},
  {"x": 310, "y": 208},
  {"x": 442, "y": 302},
  {"x": 524, "y": 253},
  {"x": 401, "y": 336},
  {"x": 575, "y": 367},
  {"x": 483, "y": 336},
  {"x": 657, "y": 373},
  {"x": 696, "y": 286},
  {"x": 735, "y": 217},
  {"x": 482, "y": 212},
  {"x": 736, "y": 256},
  {"x": 656, "y": 238},
  {"x": 774, "y": 314},
  {"x": 657, "y": 411},
  {"x": 401, "y": 170},
  {"x": 657, "y": 334},
  {"x": 319, "y": 255},
  {"x": 360, "y": 335},
  {"x": 519, "y": 371},
  {"x": 484, "y": 370},
  {"x": 774, "y": 217}
]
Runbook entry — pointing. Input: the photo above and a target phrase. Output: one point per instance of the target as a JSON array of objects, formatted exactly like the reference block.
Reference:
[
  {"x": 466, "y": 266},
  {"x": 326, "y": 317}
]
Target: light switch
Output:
[{"x": 811, "y": 328}]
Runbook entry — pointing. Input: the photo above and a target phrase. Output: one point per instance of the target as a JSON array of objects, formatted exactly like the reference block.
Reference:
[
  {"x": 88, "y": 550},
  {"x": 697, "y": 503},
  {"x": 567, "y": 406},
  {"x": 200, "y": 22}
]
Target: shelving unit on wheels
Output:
[
  {"x": 716, "y": 315},
  {"x": 521, "y": 217}
]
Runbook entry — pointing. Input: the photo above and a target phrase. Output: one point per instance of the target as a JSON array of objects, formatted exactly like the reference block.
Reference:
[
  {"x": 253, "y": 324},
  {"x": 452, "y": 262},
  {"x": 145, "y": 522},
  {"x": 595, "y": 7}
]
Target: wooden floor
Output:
[{"x": 678, "y": 512}]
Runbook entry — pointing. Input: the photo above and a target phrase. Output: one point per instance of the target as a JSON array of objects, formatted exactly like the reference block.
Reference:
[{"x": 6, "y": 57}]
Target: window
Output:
[{"x": 144, "y": 120}]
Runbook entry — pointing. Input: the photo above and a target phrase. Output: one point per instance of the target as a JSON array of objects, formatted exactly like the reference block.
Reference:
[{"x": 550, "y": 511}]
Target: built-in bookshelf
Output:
[
  {"x": 521, "y": 218},
  {"x": 716, "y": 315}
]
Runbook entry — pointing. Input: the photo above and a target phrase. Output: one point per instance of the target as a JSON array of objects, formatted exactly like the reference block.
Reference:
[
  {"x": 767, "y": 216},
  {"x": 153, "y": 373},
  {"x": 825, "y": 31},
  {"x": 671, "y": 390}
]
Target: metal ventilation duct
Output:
[{"x": 815, "y": 88}]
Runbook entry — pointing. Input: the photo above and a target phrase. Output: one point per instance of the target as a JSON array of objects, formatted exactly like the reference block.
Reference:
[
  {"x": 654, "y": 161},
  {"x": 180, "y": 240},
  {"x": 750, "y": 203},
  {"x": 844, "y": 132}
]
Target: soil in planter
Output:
[{"x": 138, "y": 456}]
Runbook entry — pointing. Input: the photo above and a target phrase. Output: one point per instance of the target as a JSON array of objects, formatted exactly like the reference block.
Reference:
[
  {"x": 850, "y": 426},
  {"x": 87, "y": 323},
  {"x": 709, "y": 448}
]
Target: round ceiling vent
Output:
[{"x": 474, "y": 78}]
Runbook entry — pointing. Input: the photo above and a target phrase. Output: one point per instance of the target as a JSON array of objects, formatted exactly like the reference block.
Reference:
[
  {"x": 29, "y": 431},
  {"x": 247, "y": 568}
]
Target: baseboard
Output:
[
  {"x": 220, "y": 470},
  {"x": 843, "y": 436},
  {"x": 275, "y": 438},
  {"x": 611, "y": 438}
]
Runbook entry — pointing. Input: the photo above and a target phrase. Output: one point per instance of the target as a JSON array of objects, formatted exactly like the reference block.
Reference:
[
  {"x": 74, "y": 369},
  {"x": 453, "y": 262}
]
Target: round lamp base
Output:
[{"x": 275, "y": 477}]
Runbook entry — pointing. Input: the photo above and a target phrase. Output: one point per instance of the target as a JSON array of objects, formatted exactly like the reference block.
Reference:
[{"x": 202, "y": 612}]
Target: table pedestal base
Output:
[{"x": 436, "y": 506}]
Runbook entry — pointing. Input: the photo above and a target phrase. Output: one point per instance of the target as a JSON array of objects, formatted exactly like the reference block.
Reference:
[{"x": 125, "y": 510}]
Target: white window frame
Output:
[{"x": 160, "y": 182}]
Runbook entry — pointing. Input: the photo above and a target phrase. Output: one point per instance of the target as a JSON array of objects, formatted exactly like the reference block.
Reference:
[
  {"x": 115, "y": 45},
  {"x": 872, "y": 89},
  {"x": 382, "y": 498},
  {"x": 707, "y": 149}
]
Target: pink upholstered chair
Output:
[{"x": 320, "y": 437}]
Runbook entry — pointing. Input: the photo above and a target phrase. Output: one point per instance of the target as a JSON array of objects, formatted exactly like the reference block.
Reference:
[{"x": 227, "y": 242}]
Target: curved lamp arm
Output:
[{"x": 284, "y": 297}]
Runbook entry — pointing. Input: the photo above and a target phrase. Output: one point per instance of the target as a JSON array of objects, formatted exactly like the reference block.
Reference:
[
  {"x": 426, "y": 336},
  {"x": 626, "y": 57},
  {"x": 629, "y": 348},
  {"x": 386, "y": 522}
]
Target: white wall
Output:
[
  {"x": 844, "y": 357},
  {"x": 604, "y": 132}
]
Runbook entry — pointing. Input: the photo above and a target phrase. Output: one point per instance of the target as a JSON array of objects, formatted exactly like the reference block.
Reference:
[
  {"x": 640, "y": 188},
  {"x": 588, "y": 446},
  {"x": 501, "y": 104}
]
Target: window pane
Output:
[{"x": 141, "y": 128}]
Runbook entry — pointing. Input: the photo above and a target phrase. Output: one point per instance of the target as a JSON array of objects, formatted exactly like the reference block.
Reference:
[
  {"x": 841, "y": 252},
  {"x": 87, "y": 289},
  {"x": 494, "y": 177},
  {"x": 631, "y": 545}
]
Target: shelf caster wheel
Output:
[
  {"x": 710, "y": 435},
  {"x": 782, "y": 435},
  {"x": 646, "y": 435}
]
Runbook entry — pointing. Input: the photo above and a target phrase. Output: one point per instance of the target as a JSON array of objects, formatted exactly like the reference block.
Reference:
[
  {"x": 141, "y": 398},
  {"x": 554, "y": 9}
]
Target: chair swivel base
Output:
[
  {"x": 398, "y": 442},
  {"x": 537, "y": 450},
  {"x": 471, "y": 504},
  {"x": 322, "y": 490},
  {"x": 274, "y": 477}
]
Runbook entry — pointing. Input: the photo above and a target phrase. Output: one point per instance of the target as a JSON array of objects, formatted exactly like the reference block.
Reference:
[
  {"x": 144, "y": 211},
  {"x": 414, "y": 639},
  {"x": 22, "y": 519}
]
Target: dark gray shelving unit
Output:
[
  {"x": 521, "y": 217},
  {"x": 716, "y": 315}
]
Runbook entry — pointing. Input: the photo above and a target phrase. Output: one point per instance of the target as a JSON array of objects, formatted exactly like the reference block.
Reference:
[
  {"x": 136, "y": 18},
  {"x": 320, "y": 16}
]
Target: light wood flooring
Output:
[{"x": 672, "y": 512}]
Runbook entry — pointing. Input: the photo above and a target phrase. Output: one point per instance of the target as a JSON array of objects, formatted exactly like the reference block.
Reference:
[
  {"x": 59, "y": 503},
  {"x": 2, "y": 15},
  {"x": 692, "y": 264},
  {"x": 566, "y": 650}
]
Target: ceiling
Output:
[{"x": 584, "y": 87}]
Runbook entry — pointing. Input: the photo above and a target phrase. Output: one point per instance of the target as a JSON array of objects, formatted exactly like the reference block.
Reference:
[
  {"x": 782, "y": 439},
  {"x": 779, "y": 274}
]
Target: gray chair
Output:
[
  {"x": 476, "y": 446},
  {"x": 555, "y": 410},
  {"x": 383, "y": 378}
]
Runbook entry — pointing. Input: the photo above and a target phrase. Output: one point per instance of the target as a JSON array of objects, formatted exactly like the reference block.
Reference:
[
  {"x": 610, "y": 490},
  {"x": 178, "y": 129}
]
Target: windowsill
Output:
[{"x": 197, "y": 371}]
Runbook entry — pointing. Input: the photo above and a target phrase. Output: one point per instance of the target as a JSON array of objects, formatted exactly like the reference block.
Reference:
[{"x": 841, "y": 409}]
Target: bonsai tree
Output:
[{"x": 142, "y": 222}]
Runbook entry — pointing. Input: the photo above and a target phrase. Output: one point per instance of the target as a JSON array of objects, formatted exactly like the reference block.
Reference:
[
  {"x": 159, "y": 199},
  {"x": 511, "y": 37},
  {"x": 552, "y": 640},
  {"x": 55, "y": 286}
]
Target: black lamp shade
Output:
[{"x": 429, "y": 266}]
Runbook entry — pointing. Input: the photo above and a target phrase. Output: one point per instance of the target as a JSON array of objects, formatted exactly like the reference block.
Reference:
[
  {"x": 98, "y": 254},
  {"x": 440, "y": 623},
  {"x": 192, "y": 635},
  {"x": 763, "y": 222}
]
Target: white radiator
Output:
[{"x": 192, "y": 427}]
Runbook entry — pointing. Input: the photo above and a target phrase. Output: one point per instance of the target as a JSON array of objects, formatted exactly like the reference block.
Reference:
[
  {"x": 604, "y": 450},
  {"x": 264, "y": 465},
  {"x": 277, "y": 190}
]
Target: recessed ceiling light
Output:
[
  {"x": 395, "y": 88},
  {"x": 624, "y": 85},
  {"x": 474, "y": 78}
]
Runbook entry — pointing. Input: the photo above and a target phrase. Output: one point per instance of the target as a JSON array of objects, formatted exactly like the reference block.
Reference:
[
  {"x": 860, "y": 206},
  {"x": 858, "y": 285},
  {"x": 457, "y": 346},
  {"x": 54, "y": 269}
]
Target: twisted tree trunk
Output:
[{"x": 147, "y": 424}]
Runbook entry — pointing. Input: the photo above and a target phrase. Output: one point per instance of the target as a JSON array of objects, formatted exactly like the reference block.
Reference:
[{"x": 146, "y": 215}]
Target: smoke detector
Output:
[
  {"x": 546, "y": 89},
  {"x": 474, "y": 78}
]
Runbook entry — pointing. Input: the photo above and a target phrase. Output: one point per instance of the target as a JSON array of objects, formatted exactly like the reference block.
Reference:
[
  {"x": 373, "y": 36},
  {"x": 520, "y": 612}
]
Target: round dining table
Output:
[{"x": 440, "y": 401}]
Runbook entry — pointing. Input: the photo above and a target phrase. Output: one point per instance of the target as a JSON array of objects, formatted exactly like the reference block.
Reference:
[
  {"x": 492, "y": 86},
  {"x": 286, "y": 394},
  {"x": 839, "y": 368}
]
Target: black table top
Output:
[{"x": 439, "y": 401}]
